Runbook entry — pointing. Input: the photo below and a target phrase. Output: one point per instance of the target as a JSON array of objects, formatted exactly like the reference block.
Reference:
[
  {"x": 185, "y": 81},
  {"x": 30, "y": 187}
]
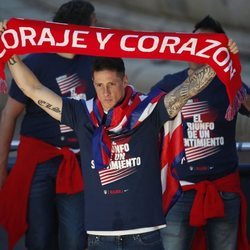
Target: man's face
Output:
[{"x": 110, "y": 87}]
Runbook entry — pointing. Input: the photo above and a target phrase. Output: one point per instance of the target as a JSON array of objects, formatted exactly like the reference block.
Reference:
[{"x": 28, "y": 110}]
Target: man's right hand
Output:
[{"x": 3, "y": 26}]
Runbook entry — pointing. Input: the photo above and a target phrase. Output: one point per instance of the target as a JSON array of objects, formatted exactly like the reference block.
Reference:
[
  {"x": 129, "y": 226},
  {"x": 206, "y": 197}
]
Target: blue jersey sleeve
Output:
[
  {"x": 73, "y": 113},
  {"x": 160, "y": 114},
  {"x": 16, "y": 93}
]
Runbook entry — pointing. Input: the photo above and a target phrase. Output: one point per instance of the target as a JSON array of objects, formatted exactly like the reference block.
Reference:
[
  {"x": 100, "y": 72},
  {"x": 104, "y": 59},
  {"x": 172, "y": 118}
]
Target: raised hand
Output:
[
  {"x": 232, "y": 46},
  {"x": 3, "y": 26}
]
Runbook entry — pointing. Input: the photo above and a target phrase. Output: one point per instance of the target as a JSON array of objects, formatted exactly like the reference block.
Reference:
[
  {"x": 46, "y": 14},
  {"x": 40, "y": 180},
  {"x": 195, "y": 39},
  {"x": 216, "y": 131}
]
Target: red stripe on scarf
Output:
[
  {"x": 124, "y": 109},
  {"x": 50, "y": 37}
]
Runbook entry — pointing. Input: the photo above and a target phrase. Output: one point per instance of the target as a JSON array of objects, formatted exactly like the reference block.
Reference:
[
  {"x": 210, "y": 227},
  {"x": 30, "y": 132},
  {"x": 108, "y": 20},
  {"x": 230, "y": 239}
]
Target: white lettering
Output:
[
  {"x": 120, "y": 148},
  {"x": 217, "y": 53},
  {"x": 231, "y": 69},
  {"x": 150, "y": 49},
  {"x": 46, "y": 36},
  {"x": 197, "y": 118},
  {"x": 207, "y": 142},
  {"x": 192, "y": 133},
  {"x": 127, "y": 163},
  {"x": 190, "y": 45},
  {"x": 124, "y": 40},
  {"x": 65, "y": 39},
  {"x": 212, "y": 45},
  {"x": 15, "y": 39},
  {"x": 76, "y": 39},
  {"x": 120, "y": 156},
  {"x": 204, "y": 134},
  {"x": 92, "y": 164},
  {"x": 200, "y": 125},
  {"x": 103, "y": 41},
  {"x": 27, "y": 37},
  {"x": 2, "y": 53},
  {"x": 165, "y": 43}
]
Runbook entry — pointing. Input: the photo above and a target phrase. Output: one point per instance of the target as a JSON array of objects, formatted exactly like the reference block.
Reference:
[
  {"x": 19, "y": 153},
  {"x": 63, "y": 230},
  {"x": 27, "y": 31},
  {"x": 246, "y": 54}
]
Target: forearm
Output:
[{"x": 193, "y": 85}]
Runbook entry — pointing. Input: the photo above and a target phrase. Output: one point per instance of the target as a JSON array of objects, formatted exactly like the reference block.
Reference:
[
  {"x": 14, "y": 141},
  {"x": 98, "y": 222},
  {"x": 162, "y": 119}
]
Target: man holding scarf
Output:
[
  {"x": 118, "y": 135},
  {"x": 118, "y": 132}
]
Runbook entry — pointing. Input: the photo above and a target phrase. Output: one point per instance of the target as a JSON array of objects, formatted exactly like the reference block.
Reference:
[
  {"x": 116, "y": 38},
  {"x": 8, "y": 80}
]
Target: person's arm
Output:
[
  {"x": 30, "y": 85},
  {"x": 9, "y": 115},
  {"x": 193, "y": 85}
]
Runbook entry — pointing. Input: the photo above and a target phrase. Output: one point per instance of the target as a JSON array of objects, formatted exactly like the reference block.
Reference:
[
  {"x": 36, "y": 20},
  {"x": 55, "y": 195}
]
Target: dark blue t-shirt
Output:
[
  {"x": 66, "y": 77},
  {"x": 208, "y": 137},
  {"x": 127, "y": 194}
]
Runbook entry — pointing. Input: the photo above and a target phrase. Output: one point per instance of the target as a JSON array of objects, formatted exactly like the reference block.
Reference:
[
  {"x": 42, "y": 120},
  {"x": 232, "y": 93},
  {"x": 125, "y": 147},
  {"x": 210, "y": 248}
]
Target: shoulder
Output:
[
  {"x": 170, "y": 81},
  {"x": 177, "y": 76},
  {"x": 84, "y": 58},
  {"x": 38, "y": 59}
]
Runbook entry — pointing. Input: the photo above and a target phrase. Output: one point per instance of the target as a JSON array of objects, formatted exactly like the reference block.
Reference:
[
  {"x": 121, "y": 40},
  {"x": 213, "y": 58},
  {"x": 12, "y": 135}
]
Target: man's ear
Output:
[
  {"x": 125, "y": 80},
  {"x": 93, "y": 19}
]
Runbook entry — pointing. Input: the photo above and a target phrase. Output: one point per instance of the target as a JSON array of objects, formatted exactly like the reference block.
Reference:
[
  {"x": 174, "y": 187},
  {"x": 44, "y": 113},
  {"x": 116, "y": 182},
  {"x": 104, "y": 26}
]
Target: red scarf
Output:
[
  {"x": 15, "y": 192},
  {"x": 30, "y": 36},
  {"x": 208, "y": 204}
]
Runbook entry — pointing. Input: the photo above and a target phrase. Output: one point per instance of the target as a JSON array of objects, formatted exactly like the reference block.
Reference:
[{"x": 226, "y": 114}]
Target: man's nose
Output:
[{"x": 106, "y": 91}]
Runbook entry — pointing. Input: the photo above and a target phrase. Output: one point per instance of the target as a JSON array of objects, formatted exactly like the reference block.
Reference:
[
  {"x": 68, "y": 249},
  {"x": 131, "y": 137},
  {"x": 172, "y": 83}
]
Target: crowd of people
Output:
[{"x": 87, "y": 173}]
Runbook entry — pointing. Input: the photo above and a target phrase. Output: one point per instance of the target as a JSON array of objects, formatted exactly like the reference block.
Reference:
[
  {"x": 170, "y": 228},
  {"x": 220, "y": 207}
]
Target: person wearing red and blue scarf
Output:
[{"x": 118, "y": 133}]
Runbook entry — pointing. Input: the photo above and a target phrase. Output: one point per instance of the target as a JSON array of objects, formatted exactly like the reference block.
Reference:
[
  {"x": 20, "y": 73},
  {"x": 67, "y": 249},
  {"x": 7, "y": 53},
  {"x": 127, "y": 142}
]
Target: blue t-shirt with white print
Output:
[
  {"x": 127, "y": 194},
  {"x": 209, "y": 139}
]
